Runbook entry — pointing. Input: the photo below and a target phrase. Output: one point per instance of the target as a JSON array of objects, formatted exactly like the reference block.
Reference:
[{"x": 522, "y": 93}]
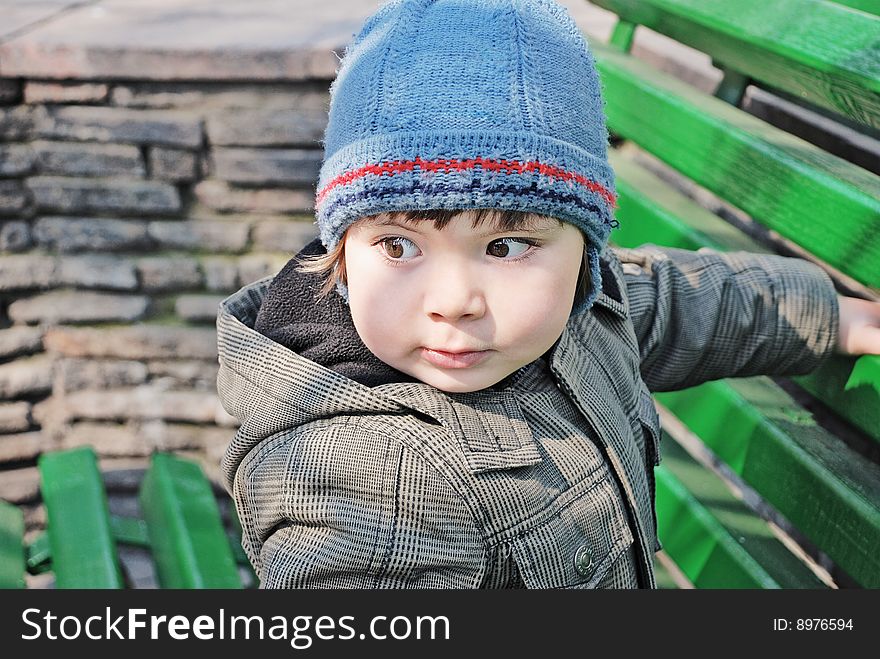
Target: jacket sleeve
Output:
[
  {"x": 336, "y": 506},
  {"x": 705, "y": 315}
]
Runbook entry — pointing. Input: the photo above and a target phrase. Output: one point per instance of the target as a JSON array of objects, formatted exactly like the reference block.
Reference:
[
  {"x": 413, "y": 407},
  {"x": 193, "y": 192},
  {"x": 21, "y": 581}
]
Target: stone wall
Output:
[{"x": 128, "y": 210}]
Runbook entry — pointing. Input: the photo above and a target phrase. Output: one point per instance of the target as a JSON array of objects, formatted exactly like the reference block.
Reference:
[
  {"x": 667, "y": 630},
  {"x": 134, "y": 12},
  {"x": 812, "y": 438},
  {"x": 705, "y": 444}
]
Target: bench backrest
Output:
[{"x": 824, "y": 484}]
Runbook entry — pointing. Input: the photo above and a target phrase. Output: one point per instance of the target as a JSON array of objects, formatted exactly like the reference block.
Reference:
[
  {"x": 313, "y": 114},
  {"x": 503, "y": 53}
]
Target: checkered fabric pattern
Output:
[{"x": 546, "y": 483}]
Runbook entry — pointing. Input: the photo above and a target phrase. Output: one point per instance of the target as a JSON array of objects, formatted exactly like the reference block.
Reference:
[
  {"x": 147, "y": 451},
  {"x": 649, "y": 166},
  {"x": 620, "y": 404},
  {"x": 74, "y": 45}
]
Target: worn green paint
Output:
[
  {"x": 825, "y": 204},
  {"x": 12, "y": 552},
  {"x": 829, "y": 492},
  {"x": 713, "y": 537},
  {"x": 850, "y": 386},
  {"x": 651, "y": 211},
  {"x": 78, "y": 520},
  {"x": 189, "y": 544},
  {"x": 817, "y": 51}
]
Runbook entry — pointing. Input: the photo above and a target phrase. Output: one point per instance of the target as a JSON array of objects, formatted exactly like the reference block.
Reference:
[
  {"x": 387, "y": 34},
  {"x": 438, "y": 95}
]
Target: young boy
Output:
[{"x": 451, "y": 388}]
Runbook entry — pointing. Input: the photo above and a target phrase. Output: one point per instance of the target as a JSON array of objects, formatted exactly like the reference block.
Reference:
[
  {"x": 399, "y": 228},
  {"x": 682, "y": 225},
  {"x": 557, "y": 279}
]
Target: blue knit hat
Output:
[{"x": 445, "y": 104}]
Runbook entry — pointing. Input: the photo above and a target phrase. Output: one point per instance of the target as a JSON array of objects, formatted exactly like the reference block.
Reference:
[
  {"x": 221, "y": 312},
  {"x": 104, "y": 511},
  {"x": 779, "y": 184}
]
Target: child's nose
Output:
[{"x": 453, "y": 293}]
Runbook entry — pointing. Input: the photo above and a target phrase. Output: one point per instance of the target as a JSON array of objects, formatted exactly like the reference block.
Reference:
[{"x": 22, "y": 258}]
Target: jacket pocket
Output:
[{"x": 577, "y": 545}]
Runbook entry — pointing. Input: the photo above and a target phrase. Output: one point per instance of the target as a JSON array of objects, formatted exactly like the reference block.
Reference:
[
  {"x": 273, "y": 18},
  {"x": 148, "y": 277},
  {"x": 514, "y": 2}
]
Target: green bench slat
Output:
[
  {"x": 664, "y": 579},
  {"x": 819, "y": 51},
  {"x": 12, "y": 551},
  {"x": 651, "y": 211},
  {"x": 39, "y": 554},
  {"x": 190, "y": 547},
  {"x": 825, "y": 204},
  {"x": 130, "y": 531},
  {"x": 851, "y": 388},
  {"x": 80, "y": 537},
  {"x": 869, "y": 6},
  {"x": 713, "y": 537},
  {"x": 829, "y": 492}
]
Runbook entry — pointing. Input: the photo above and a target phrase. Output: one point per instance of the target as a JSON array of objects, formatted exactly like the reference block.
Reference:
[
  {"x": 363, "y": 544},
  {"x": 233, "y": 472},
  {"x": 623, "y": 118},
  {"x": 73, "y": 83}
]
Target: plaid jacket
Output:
[{"x": 545, "y": 484}]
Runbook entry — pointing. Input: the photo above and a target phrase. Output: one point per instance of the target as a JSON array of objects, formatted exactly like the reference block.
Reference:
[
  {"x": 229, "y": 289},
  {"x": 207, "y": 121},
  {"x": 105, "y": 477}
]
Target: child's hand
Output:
[{"x": 859, "y": 326}]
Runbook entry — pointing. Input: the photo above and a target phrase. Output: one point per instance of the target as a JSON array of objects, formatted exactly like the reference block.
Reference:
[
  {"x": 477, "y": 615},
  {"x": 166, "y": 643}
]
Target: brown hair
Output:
[{"x": 332, "y": 264}]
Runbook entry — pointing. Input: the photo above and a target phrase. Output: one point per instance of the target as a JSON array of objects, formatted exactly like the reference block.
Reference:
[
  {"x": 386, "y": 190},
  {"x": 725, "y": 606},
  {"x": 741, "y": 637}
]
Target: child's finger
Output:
[{"x": 865, "y": 340}]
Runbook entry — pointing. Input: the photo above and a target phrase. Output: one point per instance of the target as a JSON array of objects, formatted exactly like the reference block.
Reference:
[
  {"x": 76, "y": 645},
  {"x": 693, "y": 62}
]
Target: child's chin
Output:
[{"x": 460, "y": 384}]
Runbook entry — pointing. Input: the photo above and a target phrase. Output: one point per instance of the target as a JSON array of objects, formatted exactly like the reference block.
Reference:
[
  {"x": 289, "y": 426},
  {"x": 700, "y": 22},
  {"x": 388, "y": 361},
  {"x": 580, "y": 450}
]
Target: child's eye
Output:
[
  {"x": 509, "y": 248},
  {"x": 398, "y": 248}
]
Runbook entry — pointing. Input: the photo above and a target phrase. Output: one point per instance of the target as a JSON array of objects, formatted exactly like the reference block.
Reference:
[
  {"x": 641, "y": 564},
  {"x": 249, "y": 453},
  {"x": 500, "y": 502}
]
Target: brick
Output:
[
  {"x": 267, "y": 166},
  {"x": 197, "y": 308},
  {"x": 184, "y": 374},
  {"x": 278, "y": 128},
  {"x": 221, "y": 273},
  {"x": 221, "y": 197},
  {"x": 207, "y": 235},
  {"x": 10, "y": 91},
  {"x": 20, "y": 446},
  {"x": 156, "y": 96},
  {"x": 26, "y": 377},
  {"x": 72, "y": 374},
  {"x": 144, "y": 402},
  {"x": 17, "y": 123},
  {"x": 17, "y": 341},
  {"x": 159, "y": 273},
  {"x": 94, "y": 271},
  {"x": 61, "y": 194},
  {"x": 141, "y": 342},
  {"x": 67, "y": 234},
  {"x": 256, "y": 266},
  {"x": 16, "y": 159},
  {"x": 15, "y": 417},
  {"x": 283, "y": 235},
  {"x": 108, "y": 124},
  {"x": 78, "y": 307},
  {"x": 84, "y": 159},
  {"x": 108, "y": 439},
  {"x": 224, "y": 96},
  {"x": 64, "y": 92},
  {"x": 15, "y": 236},
  {"x": 178, "y": 436},
  {"x": 175, "y": 165},
  {"x": 13, "y": 197},
  {"x": 20, "y": 485},
  {"x": 27, "y": 271}
]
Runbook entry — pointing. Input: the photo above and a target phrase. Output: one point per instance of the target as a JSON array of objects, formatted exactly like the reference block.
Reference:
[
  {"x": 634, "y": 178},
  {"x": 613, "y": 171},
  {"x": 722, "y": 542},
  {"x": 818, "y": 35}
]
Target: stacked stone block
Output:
[{"x": 128, "y": 210}]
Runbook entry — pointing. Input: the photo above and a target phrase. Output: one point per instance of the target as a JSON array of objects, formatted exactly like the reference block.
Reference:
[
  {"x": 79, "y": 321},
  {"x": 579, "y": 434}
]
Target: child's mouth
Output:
[{"x": 443, "y": 359}]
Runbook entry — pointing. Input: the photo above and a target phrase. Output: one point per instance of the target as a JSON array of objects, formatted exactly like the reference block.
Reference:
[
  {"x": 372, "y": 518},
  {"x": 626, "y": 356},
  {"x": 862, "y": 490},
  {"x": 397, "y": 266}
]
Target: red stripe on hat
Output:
[{"x": 504, "y": 166}]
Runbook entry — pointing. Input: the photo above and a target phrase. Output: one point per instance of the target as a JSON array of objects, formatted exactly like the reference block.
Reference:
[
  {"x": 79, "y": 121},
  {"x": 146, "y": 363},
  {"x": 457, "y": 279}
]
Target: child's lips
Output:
[{"x": 463, "y": 359}]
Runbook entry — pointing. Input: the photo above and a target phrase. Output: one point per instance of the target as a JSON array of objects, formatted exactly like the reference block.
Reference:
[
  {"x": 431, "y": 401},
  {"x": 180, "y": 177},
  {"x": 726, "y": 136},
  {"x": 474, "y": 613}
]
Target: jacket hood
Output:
[
  {"x": 321, "y": 331},
  {"x": 269, "y": 387}
]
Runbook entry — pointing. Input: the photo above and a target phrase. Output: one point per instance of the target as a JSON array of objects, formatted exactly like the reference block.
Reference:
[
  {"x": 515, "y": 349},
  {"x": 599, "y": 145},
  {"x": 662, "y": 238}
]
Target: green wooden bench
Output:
[
  {"x": 180, "y": 527},
  {"x": 823, "y": 485}
]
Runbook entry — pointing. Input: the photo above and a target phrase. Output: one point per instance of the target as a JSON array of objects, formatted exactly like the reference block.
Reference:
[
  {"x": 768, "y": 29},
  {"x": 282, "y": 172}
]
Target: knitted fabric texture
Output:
[{"x": 447, "y": 104}]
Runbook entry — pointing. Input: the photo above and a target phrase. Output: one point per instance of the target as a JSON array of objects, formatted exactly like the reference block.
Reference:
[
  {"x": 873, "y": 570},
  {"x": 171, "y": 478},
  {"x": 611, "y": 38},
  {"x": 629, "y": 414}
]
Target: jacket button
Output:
[{"x": 583, "y": 561}]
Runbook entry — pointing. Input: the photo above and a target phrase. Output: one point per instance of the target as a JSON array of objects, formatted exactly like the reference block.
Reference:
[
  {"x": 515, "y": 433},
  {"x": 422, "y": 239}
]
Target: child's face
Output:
[{"x": 461, "y": 308}]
